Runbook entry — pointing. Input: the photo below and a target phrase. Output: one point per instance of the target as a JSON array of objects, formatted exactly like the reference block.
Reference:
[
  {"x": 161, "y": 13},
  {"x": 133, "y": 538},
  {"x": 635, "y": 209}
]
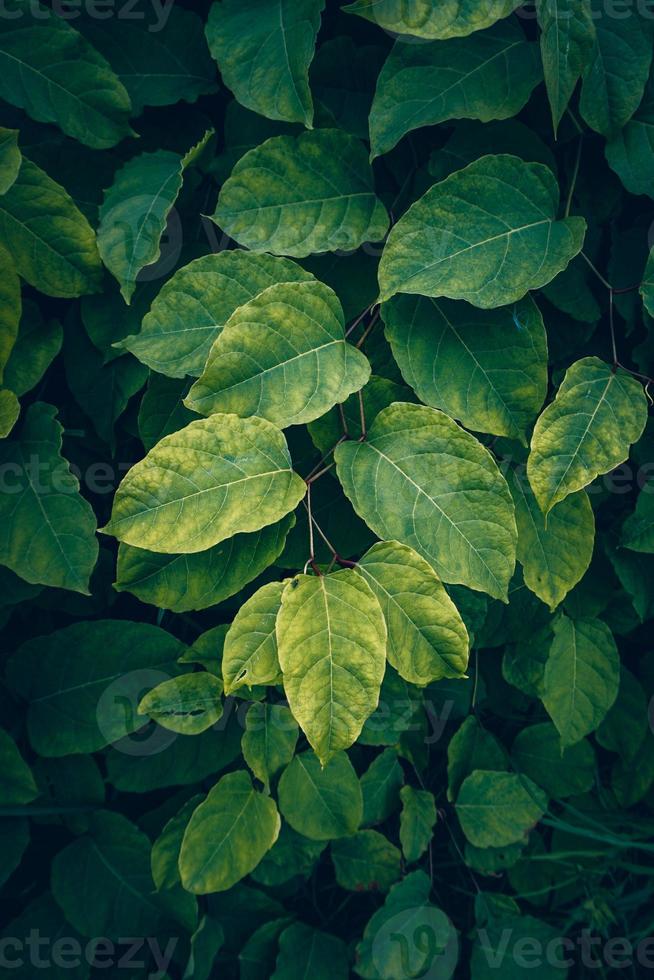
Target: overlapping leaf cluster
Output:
[{"x": 335, "y": 322}]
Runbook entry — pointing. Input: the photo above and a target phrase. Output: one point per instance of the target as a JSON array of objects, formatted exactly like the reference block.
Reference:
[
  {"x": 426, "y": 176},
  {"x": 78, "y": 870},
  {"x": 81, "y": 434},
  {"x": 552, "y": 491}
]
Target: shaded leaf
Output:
[
  {"x": 487, "y": 76},
  {"x": 264, "y": 50}
]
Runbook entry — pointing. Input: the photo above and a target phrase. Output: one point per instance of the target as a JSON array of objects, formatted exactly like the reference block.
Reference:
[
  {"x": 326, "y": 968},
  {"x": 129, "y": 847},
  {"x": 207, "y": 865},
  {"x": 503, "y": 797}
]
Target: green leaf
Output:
[
  {"x": 367, "y": 861},
  {"x": 321, "y": 802},
  {"x": 647, "y": 285},
  {"x": 269, "y": 739},
  {"x": 417, "y": 821},
  {"x": 183, "y": 583},
  {"x": 51, "y": 71},
  {"x": 487, "y": 234},
  {"x": 10, "y": 308},
  {"x": 471, "y": 139},
  {"x": 625, "y": 726},
  {"x": 50, "y": 241},
  {"x": 159, "y": 63},
  {"x": 9, "y": 411},
  {"x": 36, "y": 346},
  {"x": 498, "y": 808},
  {"x": 487, "y": 369},
  {"x": 134, "y": 213},
  {"x": 554, "y": 552},
  {"x": 195, "y": 304},
  {"x": 102, "y": 881},
  {"x": 471, "y": 748},
  {"x": 431, "y": 18},
  {"x": 638, "y": 529},
  {"x": 343, "y": 78},
  {"x": 162, "y": 410},
  {"x": 566, "y": 43},
  {"x": 487, "y": 76},
  {"x": 331, "y": 639},
  {"x": 47, "y": 529},
  {"x": 17, "y": 785},
  {"x": 299, "y": 195},
  {"x": 380, "y": 786},
  {"x": 537, "y": 753},
  {"x": 407, "y": 936},
  {"x": 164, "y": 857},
  {"x": 291, "y": 856},
  {"x": 207, "y": 650},
  {"x": 103, "y": 390},
  {"x": 630, "y": 152},
  {"x": 215, "y": 478},
  {"x": 586, "y": 431},
  {"x": 283, "y": 357},
  {"x": 78, "y": 680},
  {"x": 188, "y": 704},
  {"x": 257, "y": 957},
  {"x": 490, "y": 954},
  {"x": 582, "y": 677},
  {"x": 308, "y": 952},
  {"x": 227, "y": 835},
  {"x": 420, "y": 479},
  {"x": 10, "y": 158},
  {"x": 616, "y": 76},
  {"x": 179, "y": 760},
  {"x": 264, "y": 49},
  {"x": 377, "y": 394},
  {"x": 427, "y": 639},
  {"x": 250, "y": 652}
]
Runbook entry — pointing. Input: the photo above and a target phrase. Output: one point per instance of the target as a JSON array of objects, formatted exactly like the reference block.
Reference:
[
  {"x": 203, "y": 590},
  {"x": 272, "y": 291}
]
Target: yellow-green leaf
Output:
[
  {"x": 195, "y": 304},
  {"x": 427, "y": 639},
  {"x": 250, "y": 651},
  {"x": 299, "y": 195},
  {"x": 582, "y": 677},
  {"x": 554, "y": 553},
  {"x": 215, "y": 478},
  {"x": 422, "y": 480},
  {"x": 487, "y": 234},
  {"x": 283, "y": 357},
  {"x": 586, "y": 431},
  {"x": 227, "y": 835},
  {"x": 488, "y": 369},
  {"x": 331, "y": 639}
]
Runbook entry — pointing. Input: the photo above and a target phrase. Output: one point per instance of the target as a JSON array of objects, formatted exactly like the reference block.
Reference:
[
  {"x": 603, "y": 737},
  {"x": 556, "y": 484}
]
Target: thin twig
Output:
[
  {"x": 362, "y": 415},
  {"x": 358, "y": 320},
  {"x": 364, "y": 336},
  {"x": 575, "y": 174},
  {"x": 324, "y": 459},
  {"x": 597, "y": 273},
  {"x": 612, "y": 329},
  {"x": 341, "y": 412}
]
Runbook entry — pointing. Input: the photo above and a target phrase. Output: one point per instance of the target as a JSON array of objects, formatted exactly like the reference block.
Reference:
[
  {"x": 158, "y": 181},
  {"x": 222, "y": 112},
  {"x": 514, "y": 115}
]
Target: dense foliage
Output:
[{"x": 326, "y": 512}]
